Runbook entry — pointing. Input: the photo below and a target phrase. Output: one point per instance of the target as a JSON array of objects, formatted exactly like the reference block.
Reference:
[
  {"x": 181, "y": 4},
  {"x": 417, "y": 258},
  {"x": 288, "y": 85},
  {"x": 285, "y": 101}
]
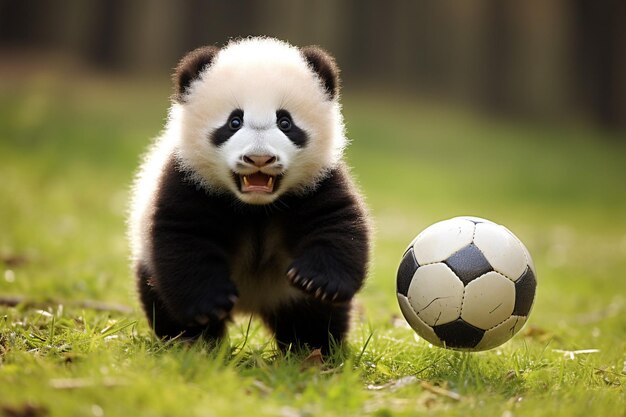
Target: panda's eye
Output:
[
  {"x": 284, "y": 123},
  {"x": 235, "y": 123}
]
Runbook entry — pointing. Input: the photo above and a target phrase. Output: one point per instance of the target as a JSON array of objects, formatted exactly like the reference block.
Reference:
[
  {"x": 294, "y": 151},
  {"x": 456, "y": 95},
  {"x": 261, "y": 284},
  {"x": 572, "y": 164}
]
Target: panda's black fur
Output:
[{"x": 310, "y": 244}]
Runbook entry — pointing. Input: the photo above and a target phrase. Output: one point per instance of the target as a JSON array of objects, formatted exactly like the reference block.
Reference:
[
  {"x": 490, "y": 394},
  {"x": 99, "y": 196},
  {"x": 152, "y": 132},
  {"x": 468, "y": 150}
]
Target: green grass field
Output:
[{"x": 67, "y": 155}]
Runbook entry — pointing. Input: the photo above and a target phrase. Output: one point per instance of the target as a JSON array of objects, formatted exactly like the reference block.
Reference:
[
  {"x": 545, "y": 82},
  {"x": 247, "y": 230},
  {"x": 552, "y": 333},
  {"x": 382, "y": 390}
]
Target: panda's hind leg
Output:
[
  {"x": 164, "y": 325},
  {"x": 309, "y": 323}
]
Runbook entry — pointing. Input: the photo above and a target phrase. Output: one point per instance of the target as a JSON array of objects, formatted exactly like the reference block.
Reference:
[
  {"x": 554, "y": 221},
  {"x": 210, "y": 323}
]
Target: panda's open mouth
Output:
[{"x": 258, "y": 182}]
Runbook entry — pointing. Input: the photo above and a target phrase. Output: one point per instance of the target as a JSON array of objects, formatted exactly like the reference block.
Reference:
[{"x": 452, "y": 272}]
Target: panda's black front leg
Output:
[
  {"x": 188, "y": 259},
  {"x": 330, "y": 239},
  {"x": 191, "y": 278},
  {"x": 318, "y": 321},
  {"x": 331, "y": 249}
]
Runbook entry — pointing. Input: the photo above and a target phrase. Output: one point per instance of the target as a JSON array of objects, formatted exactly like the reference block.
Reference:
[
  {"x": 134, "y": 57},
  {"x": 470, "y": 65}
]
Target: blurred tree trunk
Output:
[
  {"x": 355, "y": 31},
  {"x": 107, "y": 37},
  {"x": 28, "y": 22},
  {"x": 497, "y": 55},
  {"x": 600, "y": 50},
  {"x": 466, "y": 51},
  {"x": 214, "y": 22},
  {"x": 154, "y": 41}
]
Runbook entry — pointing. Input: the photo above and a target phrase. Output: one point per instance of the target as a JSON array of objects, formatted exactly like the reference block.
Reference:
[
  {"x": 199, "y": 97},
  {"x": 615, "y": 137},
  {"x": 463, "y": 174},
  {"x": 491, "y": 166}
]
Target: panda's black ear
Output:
[
  {"x": 325, "y": 67},
  {"x": 190, "y": 67}
]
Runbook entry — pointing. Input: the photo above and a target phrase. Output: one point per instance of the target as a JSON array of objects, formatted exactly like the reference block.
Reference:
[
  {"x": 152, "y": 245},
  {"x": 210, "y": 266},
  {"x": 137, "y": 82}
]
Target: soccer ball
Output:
[{"x": 466, "y": 283}]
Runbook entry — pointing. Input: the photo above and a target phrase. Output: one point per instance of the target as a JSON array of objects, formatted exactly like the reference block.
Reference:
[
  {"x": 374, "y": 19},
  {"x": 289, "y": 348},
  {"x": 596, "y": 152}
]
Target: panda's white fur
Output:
[
  {"x": 282, "y": 79},
  {"x": 144, "y": 192}
]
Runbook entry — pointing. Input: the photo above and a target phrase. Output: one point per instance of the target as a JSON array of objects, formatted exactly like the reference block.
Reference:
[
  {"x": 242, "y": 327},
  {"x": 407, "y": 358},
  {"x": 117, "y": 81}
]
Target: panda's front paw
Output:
[
  {"x": 210, "y": 306},
  {"x": 327, "y": 287}
]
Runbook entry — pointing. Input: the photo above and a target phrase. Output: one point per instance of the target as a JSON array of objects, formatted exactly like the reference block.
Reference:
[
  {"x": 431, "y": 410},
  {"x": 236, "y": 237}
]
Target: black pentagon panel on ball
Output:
[
  {"x": 407, "y": 268},
  {"x": 459, "y": 334},
  {"x": 524, "y": 293},
  {"x": 468, "y": 263}
]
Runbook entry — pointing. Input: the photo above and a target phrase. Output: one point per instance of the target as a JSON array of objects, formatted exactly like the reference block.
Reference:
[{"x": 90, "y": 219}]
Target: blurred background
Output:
[
  {"x": 514, "y": 111},
  {"x": 560, "y": 60}
]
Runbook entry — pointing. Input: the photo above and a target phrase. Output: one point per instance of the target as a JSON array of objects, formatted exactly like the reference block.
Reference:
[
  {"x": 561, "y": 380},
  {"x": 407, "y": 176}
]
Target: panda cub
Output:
[{"x": 244, "y": 204}]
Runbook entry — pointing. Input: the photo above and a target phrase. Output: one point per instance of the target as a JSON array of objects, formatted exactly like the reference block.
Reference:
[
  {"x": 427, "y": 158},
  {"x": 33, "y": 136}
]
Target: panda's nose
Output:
[{"x": 259, "y": 160}]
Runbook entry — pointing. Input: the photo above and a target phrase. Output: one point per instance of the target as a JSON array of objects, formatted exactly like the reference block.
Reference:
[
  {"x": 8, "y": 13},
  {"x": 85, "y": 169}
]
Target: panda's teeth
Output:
[{"x": 257, "y": 182}]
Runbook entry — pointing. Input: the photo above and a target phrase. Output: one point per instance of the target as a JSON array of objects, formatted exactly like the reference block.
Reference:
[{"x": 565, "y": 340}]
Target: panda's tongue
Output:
[{"x": 257, "y": 182}]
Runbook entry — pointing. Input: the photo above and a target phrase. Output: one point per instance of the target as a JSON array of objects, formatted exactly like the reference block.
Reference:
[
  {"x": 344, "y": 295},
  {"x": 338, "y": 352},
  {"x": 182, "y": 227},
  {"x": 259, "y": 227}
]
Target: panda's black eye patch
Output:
[
  {"x": 285, "y": 123},
  {"x": 232, "y": 125}
]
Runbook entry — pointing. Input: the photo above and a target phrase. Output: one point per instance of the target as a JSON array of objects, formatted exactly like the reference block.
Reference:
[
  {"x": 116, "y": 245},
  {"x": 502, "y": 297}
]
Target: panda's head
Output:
[{"x": 258, "y": 118}]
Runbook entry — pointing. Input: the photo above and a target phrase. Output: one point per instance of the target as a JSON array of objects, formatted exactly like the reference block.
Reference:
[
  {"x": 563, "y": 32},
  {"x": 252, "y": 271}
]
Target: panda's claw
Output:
[
  {"x": 317, "y": 286},
  {"x": 292, "y": 274}
]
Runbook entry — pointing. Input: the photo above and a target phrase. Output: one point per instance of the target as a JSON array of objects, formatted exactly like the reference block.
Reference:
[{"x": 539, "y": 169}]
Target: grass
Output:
[{"x": 67, "y": 154}]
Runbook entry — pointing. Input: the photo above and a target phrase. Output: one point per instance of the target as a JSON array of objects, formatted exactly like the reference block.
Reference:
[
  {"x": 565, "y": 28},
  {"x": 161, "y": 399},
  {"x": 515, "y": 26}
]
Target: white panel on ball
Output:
[
  {"x": 502, "y": 249},
  {"x": 437, "y": 242},
  {"x": 501, "y": 333},
  {"x": 436, "y": 294},
  {"x": 529, "y": 259},
  {"x": 416, "y": 323},
  {"x": 489, "y": 300}
]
